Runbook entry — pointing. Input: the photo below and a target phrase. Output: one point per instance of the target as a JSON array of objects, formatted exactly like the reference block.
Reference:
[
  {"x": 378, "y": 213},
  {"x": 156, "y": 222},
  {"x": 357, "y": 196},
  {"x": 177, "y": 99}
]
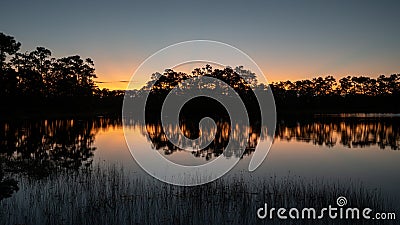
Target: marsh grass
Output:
[{"x": 110, "y": 195}]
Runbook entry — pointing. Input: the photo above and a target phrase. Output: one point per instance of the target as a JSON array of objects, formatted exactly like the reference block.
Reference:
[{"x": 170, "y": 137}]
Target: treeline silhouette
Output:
[
  {"x": 36, "y": 80},
  {"x": 322, "y": 94},
  {"x": 349, "y": 94},
  {"x": 161, "y": 85}
]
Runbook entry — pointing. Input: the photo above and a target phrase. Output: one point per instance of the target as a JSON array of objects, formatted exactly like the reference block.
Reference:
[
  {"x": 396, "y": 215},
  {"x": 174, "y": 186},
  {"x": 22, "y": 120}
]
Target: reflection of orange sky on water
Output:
[
  {"x": 371, "y": 165},
  {"x": 112, "y": 144}
]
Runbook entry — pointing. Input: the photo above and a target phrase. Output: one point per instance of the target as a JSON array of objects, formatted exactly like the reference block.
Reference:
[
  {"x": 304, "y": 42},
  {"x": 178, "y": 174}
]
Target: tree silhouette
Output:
[
  {"x": 73, "y": 76},
  {"x": 35, "y": 80},
  {"x": 8, "y": 77},
  {"x": 8, "y": 46}
]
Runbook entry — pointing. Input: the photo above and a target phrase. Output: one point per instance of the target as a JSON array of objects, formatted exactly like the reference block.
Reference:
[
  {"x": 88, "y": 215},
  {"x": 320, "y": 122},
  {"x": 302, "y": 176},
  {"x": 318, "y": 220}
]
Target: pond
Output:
[{"x": 353, "y": 151}]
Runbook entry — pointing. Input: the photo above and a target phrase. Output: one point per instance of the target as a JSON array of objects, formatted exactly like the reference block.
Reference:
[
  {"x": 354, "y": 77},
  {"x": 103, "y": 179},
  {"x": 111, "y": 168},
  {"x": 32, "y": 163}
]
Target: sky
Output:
[{"x": 287, "y": 39}]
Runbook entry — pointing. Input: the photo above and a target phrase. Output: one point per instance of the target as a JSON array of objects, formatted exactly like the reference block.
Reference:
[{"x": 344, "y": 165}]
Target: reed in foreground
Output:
[{"x": 110, "y": 195}]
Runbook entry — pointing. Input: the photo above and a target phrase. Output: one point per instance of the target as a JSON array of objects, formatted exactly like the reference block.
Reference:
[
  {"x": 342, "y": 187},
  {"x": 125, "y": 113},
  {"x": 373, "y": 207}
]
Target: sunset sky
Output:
[{"x": 287, "y": 39}]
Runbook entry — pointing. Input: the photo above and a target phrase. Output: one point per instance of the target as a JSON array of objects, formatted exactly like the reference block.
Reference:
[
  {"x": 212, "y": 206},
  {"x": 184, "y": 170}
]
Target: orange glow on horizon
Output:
[{"x": 118, "y": 79}]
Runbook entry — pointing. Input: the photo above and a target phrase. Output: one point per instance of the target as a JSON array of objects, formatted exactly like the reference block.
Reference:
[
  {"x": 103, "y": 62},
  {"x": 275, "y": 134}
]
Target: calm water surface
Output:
[
  {"x": 342, "y": 148},
  {"x": 357, "y": 148}
]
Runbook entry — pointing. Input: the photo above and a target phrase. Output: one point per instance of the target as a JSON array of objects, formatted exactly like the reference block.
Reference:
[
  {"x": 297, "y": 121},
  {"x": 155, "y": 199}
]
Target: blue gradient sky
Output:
[{"x": 287, "y": 39}]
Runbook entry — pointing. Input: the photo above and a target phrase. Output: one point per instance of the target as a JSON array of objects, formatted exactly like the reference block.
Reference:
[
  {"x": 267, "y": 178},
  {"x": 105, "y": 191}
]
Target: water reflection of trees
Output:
[
  {"x": 41, "y": 146},
  {"x": 347, "y": 132},
  {"x": 215, "y": 148},
  {"x": 38, "y": 147},
  {"x": 351, "y": 133}
]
